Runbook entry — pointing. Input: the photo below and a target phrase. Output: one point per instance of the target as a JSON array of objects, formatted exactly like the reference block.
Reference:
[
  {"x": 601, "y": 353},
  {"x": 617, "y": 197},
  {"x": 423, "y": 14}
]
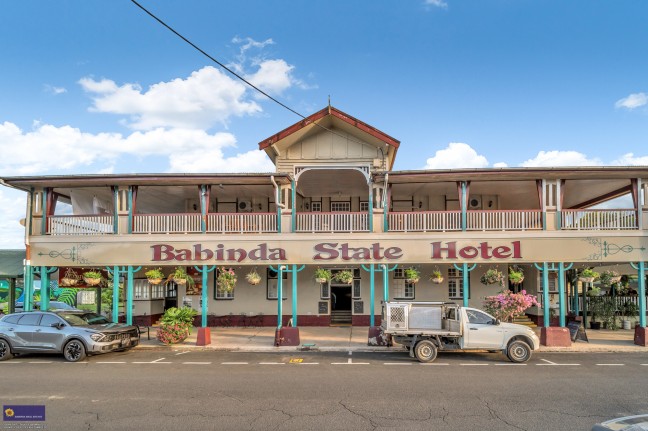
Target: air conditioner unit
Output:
[
  {"x": 475, "y": 202},
  {"x": 244, "y": 206}
]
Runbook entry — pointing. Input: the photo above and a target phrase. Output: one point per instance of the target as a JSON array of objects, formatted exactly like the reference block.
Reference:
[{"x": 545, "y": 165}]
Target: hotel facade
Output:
[{"x": 334, "y": 202}]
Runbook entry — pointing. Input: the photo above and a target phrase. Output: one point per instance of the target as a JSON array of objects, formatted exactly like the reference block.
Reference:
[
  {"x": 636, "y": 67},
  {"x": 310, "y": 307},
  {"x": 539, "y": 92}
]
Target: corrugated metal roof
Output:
[{"x": 11, "y": 263}]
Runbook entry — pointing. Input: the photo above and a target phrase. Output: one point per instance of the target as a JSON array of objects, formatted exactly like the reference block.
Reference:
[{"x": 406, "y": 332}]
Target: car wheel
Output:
[
  {"x": 518, "y": 351},
  {"x": 425, "y": 351},
  {"x": 74, "y": 351},
  {"x": 5, "y": 350}
]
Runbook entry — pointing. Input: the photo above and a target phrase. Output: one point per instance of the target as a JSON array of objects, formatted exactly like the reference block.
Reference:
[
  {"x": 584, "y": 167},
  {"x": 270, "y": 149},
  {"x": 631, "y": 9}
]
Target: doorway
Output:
[{"x": 341, "y": 304}]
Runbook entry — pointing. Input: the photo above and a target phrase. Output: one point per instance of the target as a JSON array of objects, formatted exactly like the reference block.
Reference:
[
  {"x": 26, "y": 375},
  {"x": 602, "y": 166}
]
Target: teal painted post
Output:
[
  {"x": 561, "y": 292},
  {"x": 371, "y": 295},
  {"x": 44, "y": 212},
  {"x": 28, "y": 291},
  {"x": 465, "y": 273},
  {"x": 280, "y": 297},
  {"x": 129, "y": 294},
  {"x": 641, "y": 280},
  {"x": 115, "y": 298},
  {"x": 115, "y": 210},
  {"x": 370, "y": 204},
  {"x": 464, "y": 209},
  {"x": 385, "y": 285},
  {"x": 45, "y": 291},
  {"x": 545, "y": 294},
  {"x": 294, "y": 292},
  {"x": 278, "y": 199},
  {"x": 385, "y": 210},
  {"x": 293, "y": 212},
  {"x": 204, "y": 309}
]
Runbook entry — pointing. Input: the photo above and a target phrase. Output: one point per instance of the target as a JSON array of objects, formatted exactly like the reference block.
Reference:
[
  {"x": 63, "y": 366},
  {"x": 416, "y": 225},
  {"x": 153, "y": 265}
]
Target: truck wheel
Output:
[
  {"x": 518, "y": 351},
  {"x": 425, "y": 351},
  {"x": 74, "y": 351}
]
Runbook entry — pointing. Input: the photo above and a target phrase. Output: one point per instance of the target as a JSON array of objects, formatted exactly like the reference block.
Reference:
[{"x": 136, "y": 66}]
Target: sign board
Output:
[{"x": 577, "y": 331}]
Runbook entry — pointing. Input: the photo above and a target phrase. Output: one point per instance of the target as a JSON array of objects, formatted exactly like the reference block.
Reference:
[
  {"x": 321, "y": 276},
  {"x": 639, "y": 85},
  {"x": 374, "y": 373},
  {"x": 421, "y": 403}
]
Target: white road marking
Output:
[
  {"x": 474, "y": 365},
  {"x": 510, "y": 364},
  {"x": 397, "y": 363},
  {"x": 157, "y": 361},
  {"x": 272, "y": 363},
  {"x": 548, "y": 362},
  {"x": 308, "y": 363},
  {"x": 40, "y": 362},
  {"x": 234, "y": 363},
  {"x": 196, "y": 363},
  {"x": 182, "y": 353},
  {"x": 436, "y": 363},
  {"x": 555, "y": 364},
  {"x": 350, "y": 362},
  {"x": 611, "y": 365},
  {"x": 111, "y": 362}
]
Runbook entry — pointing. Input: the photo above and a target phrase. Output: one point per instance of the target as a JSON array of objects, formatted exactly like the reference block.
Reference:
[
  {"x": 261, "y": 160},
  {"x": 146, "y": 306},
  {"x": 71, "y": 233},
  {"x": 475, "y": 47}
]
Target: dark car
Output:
[{"x": 73, "y": 333}]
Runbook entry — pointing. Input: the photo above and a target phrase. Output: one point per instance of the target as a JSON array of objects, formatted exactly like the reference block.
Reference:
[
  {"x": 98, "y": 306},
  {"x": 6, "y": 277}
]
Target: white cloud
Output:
[
  {"x": 500, "y": 165},
  {"x": 203, "y": 99},
  {"x": 437, "y": 3},
  {"x": 456, "y": 155},
  {"x": 49, "y": 148},
  {"x": 633, "y": 101},
  {"x": 55, "y": 90},
  {"x": 273, "y": 76},
  {"x": 629, "y": 159},
  {"x": 12, "y": 209},
  {"x": 560, "y": 158}
]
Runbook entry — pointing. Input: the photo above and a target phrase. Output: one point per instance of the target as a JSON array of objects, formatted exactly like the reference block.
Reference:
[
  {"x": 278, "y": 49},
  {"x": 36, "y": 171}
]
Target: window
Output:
[
  {"x": 49, "y": 320},
  {"x": 12, "y": 320},
  {"x": 340, "y": 206},
  {"x": 325, "y": 292},
  {"x": 364, "y": 206},
  {"x": 477, "y": 317},
  {"x": 401, "y": 288},
  {"x": 455, "y": 284},
  {"x": 357, "y": 291},
  {"x": 157, "y": 291},
  {"x": 141, "y": 288},
  {"x": 273, "y": 284},
  {"x": 221, "y": 294},
  {"x": 316, "y": 207},
  {"x": 30, "y": 319}
]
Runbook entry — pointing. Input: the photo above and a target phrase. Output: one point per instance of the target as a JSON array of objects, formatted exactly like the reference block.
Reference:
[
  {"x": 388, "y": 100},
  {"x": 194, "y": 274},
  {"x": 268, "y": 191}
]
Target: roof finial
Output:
[{"x": 329, "y": 100}]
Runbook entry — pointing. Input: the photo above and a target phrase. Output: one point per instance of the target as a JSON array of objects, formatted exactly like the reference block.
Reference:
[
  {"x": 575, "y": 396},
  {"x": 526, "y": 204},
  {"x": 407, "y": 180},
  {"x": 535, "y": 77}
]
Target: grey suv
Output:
[{"x": 75, "y": 334}]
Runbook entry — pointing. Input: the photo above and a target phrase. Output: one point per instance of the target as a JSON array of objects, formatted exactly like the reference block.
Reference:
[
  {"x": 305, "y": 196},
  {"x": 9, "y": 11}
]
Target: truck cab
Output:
[{"x": 427, "y": 327}]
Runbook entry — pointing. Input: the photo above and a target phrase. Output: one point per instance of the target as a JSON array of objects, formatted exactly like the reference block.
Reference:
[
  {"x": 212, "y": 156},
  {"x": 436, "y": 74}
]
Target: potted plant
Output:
[
  {"x": 628, "y": 309},
  {"x": 180, "y": 277},
  {"x": 596, "y": 308},
  {"x": 588, "y": 275},
  {"x": 493, "y": 276},
  {"x": 412, "y": 275},
  {"x": 344, "y": 276},
  {"x": 322, "y": 275},
  {"x": 226, "y": 279},
  {"x": 92, "y": 278},
  {"x": 253, "y": 277},
  {"x": 609, "y": 277},
  {"x": 516, "y": 275},
  {"x": 436, "y": 277},
  {"x": 176, "y": 324},
  {"x": 155, "y": 275}
]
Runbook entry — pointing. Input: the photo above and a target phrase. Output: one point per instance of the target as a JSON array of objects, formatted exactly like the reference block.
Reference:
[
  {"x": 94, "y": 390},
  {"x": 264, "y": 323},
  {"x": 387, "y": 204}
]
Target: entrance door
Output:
[
  {"x": 171, "y": 296},
  {"x": 341, "y": 304}
]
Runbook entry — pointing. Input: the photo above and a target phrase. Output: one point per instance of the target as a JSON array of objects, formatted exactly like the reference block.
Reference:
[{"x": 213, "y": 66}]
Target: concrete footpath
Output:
[{"x": 348, "y": 338}]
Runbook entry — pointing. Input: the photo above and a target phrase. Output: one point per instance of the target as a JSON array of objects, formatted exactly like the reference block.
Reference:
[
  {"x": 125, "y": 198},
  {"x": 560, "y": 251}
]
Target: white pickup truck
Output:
[{"x": 426, "y": 327}]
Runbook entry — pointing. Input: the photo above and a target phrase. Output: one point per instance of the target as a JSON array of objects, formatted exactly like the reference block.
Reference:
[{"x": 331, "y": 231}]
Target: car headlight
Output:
[{"x": 97, "y": 337}]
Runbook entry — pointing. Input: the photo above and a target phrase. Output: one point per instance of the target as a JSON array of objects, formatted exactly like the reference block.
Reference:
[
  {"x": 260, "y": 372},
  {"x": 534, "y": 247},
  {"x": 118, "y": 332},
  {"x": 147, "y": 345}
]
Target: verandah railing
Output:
[
  {"x": 332, "y": 222},
  {"x": 601, "y": 219},
  {"x": 241, "y": 222},
  {"x": 167, "y": 223},
  {"x": 80, "y": 224},
  {"x": 504, "y": 220},
  {"x": 424, "y": 221}
]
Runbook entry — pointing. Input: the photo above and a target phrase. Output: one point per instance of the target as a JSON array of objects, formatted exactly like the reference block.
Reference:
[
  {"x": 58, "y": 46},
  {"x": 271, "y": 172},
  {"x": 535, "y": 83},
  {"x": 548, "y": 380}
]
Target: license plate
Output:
[{"x": 126, "y": 342}]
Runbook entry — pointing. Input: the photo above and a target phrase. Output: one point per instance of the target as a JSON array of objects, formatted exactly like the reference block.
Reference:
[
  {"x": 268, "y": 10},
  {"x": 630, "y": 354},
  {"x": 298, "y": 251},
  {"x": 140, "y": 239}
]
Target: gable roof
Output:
[{"x": 325, "y": 118}]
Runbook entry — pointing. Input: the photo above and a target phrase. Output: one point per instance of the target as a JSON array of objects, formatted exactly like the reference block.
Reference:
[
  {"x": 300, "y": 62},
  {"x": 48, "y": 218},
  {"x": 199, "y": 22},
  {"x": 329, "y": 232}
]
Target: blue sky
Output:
[{"x": 99, "y": 87}]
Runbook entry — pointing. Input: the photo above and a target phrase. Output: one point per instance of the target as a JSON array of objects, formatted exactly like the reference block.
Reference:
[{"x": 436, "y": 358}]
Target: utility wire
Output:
[
  {"x": 216, "y": 61},
  {"x": 197, "y": 48}
]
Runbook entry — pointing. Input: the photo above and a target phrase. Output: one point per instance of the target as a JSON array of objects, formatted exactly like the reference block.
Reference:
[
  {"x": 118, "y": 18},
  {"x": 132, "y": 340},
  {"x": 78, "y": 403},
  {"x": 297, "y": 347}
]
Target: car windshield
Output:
[{"x": 83, "y": 319}]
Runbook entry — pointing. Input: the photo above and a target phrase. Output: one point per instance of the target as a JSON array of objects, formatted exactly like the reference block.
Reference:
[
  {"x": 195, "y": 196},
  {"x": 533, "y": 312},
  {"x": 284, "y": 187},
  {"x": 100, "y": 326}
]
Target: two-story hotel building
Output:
[{"x": 334, "y": 202}]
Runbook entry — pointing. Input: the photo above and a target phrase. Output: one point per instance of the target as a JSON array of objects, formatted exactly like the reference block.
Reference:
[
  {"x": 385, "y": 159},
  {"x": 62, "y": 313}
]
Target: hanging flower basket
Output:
[
  {"x": 436, "y": 277},
  {"x": 345, "y": 276},
  {"x": 253, "y": 277},
  {"x": 322, "y": 275},
  {"x": 492, "y": 276},
  {"x": 588, "y": 276},
  {"x": 71, "y": 278},
  {"x": 609, "y": 277},
  {"x": 412, "y": 275},
  {"x": 516, "y": 276},
  {"x": 154, "y": 276},
  {"x": 92, "y": 278},
  {"x": 226, "y": 279},
  {"x": 180, "y": 277}
]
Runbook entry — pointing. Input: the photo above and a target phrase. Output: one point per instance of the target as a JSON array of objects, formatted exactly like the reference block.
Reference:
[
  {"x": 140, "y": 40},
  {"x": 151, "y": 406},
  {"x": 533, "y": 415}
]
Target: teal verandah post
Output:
[
  {"x": 545, "y": 294},
  {"x": 465, "y": 280},
  {"x": 129, "y": 294},
  {"x": 280, "y": 297},
  {"x": 561, "y": 291},
  {"x": 372, "y": 291},
  {"x": 464, "y": 209},
  {"x": 130, "y": 209},
  {"x": 45, "y": 286},
  {"x": 370, "y": 204},
  {"x": 204, "y": 271},
  {"x": 203, "y": 211},
  {"x": 115, "y": 191},
  {"x": 115, "y": 303},
  {"x": 44, "y": 210},
  {"x": 28, "y": 291},
  {"x": 293, "y": 212},
  {"x": 641, "y": 275},
  {"x": 294, "y": 271}
]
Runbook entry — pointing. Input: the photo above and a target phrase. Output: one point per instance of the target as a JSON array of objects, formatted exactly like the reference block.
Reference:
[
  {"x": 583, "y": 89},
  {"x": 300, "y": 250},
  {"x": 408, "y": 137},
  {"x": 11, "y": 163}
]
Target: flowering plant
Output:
[
  {"x": 345, "y": 276},
  {"x": 493, "y": 276},
  {"x": 588, "y": 275},
  {"x": 226, "y": 279},
  {"x": 609, "y": 277},
  {"x": 506, "y": 305},
  {"x": 516, "y": 275},
  {"x": 176, "y": 324},
  {"x": 253, "y": 277},
  {"x": 172, "y": 334},
  {"x": 322, "y": 275}
]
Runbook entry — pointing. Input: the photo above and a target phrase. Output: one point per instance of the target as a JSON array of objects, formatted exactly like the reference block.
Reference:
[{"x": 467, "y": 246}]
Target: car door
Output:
[
  {"x": 482, "y": 331},
  {"x": 24, "y": 330},
  {"x": 48, "y": 337}
]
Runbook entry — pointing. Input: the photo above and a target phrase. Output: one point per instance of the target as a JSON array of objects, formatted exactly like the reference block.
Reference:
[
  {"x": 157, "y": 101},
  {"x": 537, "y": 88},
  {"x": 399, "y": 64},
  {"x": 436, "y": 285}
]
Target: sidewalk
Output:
[{"x": 347, "y": 338}]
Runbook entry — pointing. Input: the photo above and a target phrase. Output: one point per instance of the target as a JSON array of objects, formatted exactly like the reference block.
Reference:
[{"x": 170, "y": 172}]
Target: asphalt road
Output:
[{"x": 210, "y": 390}]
